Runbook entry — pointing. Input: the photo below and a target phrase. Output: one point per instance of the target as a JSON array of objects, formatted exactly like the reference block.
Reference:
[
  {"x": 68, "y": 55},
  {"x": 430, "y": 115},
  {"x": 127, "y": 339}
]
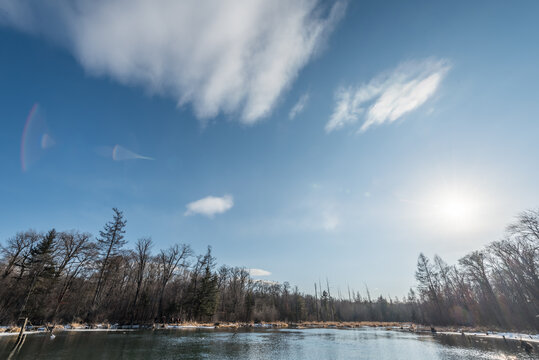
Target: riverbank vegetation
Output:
[{"x": 71, "y": 276}]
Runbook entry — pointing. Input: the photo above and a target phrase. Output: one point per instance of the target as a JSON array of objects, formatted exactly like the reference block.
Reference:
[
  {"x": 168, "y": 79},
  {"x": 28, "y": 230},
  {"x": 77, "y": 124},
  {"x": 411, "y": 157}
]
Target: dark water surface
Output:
[{"x": 311, "y": 344}]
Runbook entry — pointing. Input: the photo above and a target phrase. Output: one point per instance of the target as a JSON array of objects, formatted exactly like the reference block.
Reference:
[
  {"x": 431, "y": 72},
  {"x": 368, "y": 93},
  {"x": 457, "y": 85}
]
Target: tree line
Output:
[
  {"x": 71, "y": 276},
  {"x": 497, "y": 286}
]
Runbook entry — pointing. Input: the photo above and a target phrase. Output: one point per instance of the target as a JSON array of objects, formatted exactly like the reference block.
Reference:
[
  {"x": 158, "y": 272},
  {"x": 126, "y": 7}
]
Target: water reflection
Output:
[{"x": 312, "y": 344}]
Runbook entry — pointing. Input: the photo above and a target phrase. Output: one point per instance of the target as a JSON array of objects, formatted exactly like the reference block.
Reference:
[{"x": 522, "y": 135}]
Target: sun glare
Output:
[{"x": 455, "y": 209}]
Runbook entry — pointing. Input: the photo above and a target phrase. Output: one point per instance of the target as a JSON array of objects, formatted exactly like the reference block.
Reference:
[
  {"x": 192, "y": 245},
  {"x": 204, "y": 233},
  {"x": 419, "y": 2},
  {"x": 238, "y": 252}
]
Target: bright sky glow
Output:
[
  {"x": 303, "y": 140},
  {"x": 456, "y": 210}
]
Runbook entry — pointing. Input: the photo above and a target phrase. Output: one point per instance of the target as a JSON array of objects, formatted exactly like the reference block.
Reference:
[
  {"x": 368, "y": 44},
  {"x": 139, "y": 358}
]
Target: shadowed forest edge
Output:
[{"x": 70, "y": 276}]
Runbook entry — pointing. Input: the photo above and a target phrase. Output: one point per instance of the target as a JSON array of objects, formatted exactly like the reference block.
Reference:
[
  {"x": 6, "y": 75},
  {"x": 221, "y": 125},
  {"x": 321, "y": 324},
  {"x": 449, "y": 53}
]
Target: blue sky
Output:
[{"x": 415, "y": 128}]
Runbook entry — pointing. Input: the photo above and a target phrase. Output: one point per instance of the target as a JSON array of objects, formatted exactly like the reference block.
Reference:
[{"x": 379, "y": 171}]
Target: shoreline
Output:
[
  {"x": 390, "y": 326},
  {"x": 496, "y": 335}
]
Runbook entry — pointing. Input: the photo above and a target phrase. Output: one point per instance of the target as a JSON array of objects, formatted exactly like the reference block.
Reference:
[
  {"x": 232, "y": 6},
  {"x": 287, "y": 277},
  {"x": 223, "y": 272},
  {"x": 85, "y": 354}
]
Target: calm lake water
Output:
[{"x": 312, "y": 344}]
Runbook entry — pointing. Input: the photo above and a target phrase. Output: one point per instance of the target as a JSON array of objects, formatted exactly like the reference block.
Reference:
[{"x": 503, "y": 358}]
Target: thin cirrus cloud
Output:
[
  {"x": 299, "y": 106},
  {"x": 258, "y": 272},
  {"x": 388, "y": 96},
  {"x": 231, "y": 57},
  {"x": 210, "y": 206}
]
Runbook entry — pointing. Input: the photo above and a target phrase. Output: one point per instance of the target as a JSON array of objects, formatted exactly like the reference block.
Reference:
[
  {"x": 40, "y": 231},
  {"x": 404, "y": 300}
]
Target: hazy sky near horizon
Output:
[{"x": 306, "y": 140}]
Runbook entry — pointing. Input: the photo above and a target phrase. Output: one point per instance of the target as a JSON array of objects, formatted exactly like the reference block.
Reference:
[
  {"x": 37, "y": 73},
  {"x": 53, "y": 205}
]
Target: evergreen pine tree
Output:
[
  {"x": 203, "y": 290},
  {"x": 110, "y": 242},
  {"x": 41, "y": 273}
]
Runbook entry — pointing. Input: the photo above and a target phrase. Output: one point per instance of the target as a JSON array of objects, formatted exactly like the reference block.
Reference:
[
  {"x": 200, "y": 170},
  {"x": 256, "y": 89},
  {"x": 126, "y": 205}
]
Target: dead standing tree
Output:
[
  {"x": 170, "y": 261},
  {"x": 142, "y": 251}
]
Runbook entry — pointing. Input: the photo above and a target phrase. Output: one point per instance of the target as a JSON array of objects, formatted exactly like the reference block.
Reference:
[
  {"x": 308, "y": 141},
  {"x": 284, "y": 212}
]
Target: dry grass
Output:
[
  {"x": 190, "y": 323},
  {"x": 306, "y": 324},
  {"x": 459, "y": 329},
  {"x": 274, "y": 324},
  {"x": 351, "y": 324}
]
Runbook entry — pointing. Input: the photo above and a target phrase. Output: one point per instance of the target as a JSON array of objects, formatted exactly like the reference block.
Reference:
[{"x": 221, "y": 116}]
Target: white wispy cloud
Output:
[
  {"x": 210, "y": 206},
  {"x": 233, "y": 57},
  {"x": 299, "y": 106},
  {"x": 388, "y": 96},
  {"x": 258, "y": 272}
]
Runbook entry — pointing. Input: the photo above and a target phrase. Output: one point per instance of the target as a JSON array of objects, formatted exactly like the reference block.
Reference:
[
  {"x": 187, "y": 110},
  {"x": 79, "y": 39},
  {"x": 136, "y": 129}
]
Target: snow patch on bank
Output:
[{"x": 533, "y": 338}]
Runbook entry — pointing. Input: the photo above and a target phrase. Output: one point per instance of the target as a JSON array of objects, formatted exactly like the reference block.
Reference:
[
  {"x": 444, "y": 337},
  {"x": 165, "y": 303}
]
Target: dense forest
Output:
[{"x": 73, "y": 277}]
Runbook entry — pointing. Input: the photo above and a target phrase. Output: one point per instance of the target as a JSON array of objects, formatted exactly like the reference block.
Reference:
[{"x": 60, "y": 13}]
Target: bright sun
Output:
[{"x": 454, "y": 209}]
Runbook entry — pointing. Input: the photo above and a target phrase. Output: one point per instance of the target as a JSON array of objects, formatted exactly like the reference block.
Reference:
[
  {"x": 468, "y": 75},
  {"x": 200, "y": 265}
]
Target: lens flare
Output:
[
  {"x": 119, "y": 153},
  {"x": 36, "y": 138},
  {"x": 47, "y": 142}
]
